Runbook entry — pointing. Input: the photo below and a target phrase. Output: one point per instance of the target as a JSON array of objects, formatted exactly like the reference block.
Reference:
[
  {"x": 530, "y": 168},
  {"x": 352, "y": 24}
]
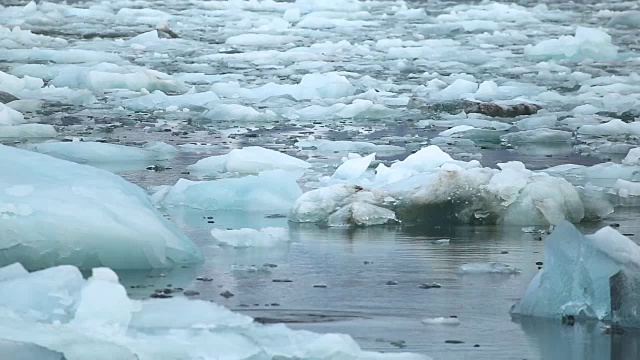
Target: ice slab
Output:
[
  {"x": 58, "y": 212},
  {"x": 251, "y": 238},
  {"x": 9, "y": 116},
  {"x": 272, "y": 190},
  {"x": 579, "y": 275},
  {"x": 88, "y": 152},
  {"x": 56, "y": 309},
  {"x": 353, "y": 168},
  {"x": 248, "y": 160},
  {"x": 328, "y": 146},
  {"x": 586, "y": 44},
  {"x": 488, "y": 268},
  {"x": 28, "y": 131},
  {"x": 626, "y": 19}
]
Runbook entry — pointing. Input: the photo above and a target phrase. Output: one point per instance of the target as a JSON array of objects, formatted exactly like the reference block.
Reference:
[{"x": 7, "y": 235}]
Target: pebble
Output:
[
  {"x": 539, "y": 263},
  {"x": 227, "y": 294},
  {"x": 476, "y": 345}
]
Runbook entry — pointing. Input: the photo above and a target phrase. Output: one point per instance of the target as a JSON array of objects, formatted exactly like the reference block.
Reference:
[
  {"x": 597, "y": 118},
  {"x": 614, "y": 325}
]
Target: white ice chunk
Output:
[
  {"x": 353, "y": 169},
  {"x": 88, "y": 152},
  {"x": 328, "y": 146},
  {"x": 80, "y": 215},
  {"x": 586, "y": 44},
  {"x": 626, "y": 19},
  {"x": 245, "y": 238},
  {"x": 632, "y": 158},
  {"x": 9, "y": 116},
  {"x": 488, "y": 268},
  {"x": 248, "y": 160},
  {"x": 441, "y": 321},
  {"x": 28, "y": 131}
]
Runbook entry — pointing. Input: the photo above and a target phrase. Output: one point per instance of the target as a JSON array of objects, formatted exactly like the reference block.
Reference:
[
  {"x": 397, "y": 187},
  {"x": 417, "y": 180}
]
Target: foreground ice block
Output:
[
  {"x": 580, "y": 274},
  {"x": 248, "y": 160},
  {"x": 94, "y": 319},
  {"x": 57, "y": 212}
]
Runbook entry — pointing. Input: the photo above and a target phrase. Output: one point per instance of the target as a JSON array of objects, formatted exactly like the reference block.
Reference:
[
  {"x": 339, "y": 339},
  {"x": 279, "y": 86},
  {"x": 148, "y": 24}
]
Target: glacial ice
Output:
[
  {"x": 328, "y": 146},
  {"x": 626, "y": 19},
  {"x": 249, "y": 160},
  {"x": 56, "y": 312},
  {"x": 270, "y": 190},
  {"x": 9, "y": 116},
  {"x": 586, "y": 44},
  {"x": 353, "y": 168},
  {"x": 251, "y": 238},
  {"x": 488, "y": 268},
  {"x": 27, "y": 131},
  {"x": 58, "y": 212},
  {"x": 96, "y": 153},
  {"x": 581, "y": 277}
]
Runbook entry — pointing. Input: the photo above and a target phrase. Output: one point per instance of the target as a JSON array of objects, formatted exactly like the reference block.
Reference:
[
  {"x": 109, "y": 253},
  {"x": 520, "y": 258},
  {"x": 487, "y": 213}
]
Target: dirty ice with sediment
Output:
[{"x": 319, "y": 179}]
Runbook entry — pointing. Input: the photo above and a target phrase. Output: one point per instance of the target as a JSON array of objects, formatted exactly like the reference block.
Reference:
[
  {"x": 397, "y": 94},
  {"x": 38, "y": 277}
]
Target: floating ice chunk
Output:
[
  {"x": 262, "y": 39},
  {"x": 291, "y": 15},
  {"x": 16, "y": 38},
  {"x": 458, "y": 89},
  {"x": 230, "y": 112},
  {"x": 9, "y": 116},
  {"x": 456, "y": 129},
  {"x": 541, "y": 135},
  {"x": 248, "y": 160},
  {"x": 328, "y": 146},
  {"x": 441, "y": 321},
  {"x": 273, "y": 190},
  {"x": 147, "y": 79},
  {"x": 440, "y": 241},
  {"x": 359, "y": 108},
  {"x": 488, "y": 90},
  {"x": 76, "y": 214},
  {"x": 613, "y": 127},
  {"x": 627, "y": 188},
  {"x": 536, "y": 122},
  {"x": 25, "y": 351},
  {"x": 428, "y": 159},
  {"x": 88, "y": 152},
  {"x": 632, "y": 158},
  {"x": 626, "y": 19},
  {"x": 15, "y": 85},
  {"x": 27, "y": 131},
  {"x": 200, "y": 147},
  {"x": 342, "y": 205},
  {"x": 579, "y": 275},
  {"x": 353, "y": 169},
  {"x": 245, "y": 238},
  {"x": 586, "y": 44},
  {"x": 159, "y": 100},
  {"x": 488, "y": 268},
  {"x": 12, "y": 271},
  {"x": 127, "y": 329}
]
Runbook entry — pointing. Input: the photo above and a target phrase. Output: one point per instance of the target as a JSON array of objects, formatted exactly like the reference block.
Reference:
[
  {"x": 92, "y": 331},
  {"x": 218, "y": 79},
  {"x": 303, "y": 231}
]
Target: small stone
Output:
[
  {"x": 211, "y": 222},
  {"x": 227, "y": 294},
  {"x": 430, "y": 286},
  {"x": 191, "y": 293},
  {"x": 454, "y": 342},
  {"x": 319, "y": 286},
  {"x": 392, "y": 282},
  {"x": 476, "y": 345},
  {"x": 539, "y": 267},
  {"x": 539, "y": 263}
]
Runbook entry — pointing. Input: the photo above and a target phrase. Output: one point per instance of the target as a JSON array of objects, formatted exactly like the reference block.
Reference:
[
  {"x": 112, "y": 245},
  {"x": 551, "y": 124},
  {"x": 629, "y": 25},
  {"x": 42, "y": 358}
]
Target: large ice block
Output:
[
  {"x": 579, "y": 275},
  {"x": 57, "y": 212},
  {"x": 94, "y": 319}
]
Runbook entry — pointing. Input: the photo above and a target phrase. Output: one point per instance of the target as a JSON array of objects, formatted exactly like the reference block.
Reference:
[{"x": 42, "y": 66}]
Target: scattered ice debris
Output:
[
  {"x": 440, "y": 241},
  {"x": 248, "y": 160},
  {"x": 488, "y": 268},
  {"x": 58, "y": 212},
  {"x": 441, "y": 321},
  {"x": 251, "y": 238},
  {"x": 586, "y": 277}
]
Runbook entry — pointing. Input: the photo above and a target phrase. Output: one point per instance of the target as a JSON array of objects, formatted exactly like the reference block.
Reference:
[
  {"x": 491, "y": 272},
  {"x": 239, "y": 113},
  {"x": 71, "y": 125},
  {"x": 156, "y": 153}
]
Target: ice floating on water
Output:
[
  {"x": 542, "y": 135},
  {"x": 87, "y": 152},
  {"x": 252, "y": 238},
  {"x": 328, "y": 146},
  {"x": 586, "y": 276},
  {"x": 248, "y": 160},
  {"x": 58, "y": 212},
  {"x": 272, "y": 190},
  {"x": 488, "y": 268},
  {"x": 626, "y": 19},
  {"x": 57, "y": 310},
  {"x": 27, "y": 131},
  {"x": 441, "y": 321},
  {"x": 353, "y": 168},
  {"x": 9, "y": 116},
  {"x": 586, "y": 44}
]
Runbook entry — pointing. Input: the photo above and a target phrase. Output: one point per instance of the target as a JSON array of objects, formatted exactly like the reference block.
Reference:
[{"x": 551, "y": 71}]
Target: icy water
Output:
[{"x": 372, "y": 275}]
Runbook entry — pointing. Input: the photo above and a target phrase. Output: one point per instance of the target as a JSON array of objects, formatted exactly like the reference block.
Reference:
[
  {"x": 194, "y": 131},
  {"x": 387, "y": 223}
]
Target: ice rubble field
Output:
[{"x": 336, "y": 113}]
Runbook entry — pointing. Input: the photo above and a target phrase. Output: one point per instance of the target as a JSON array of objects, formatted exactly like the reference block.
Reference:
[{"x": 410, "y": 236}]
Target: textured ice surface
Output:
[
  {"x": 27, "y": 131},
  {"x": 270, "y": 190},
  {"x": 488, "y": 268},
  {"x": 56, "y": 311},
  {"x": 58, "y": 212},
  {"x": 87, "y": 152},
  {"x": 441, "y": 321},
  {"x": 248, "y": 160},
  {"x": 577, "y": 277},
  {"x": 251, "y": 238}
]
